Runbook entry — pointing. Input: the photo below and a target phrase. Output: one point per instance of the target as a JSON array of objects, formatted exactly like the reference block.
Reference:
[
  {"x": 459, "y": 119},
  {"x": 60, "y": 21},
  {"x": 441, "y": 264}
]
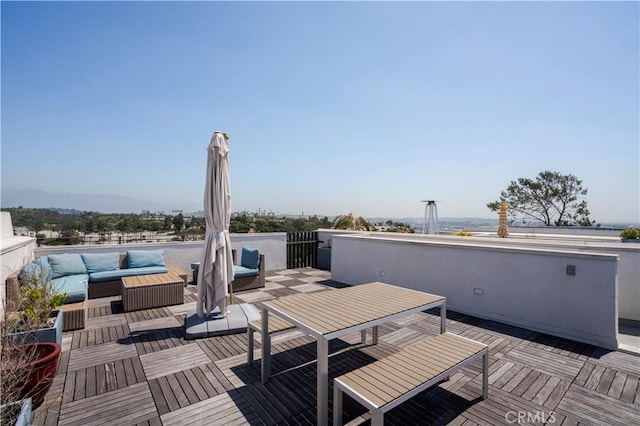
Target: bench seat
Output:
[
  {"x": 277, "y": 325},
  {"x": 386, "y": 383}
]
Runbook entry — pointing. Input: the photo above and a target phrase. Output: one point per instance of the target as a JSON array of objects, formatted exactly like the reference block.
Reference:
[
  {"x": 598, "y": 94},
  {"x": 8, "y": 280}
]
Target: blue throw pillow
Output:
[
  {"x": 43, "y": 261},
  {"x": 250, "y": 258},
  {"x": 28, "y": 272},
  {"x": 66, "y": 264},
  {"x": 145, "y": 258},
  {"x": 100, "y": 262}
]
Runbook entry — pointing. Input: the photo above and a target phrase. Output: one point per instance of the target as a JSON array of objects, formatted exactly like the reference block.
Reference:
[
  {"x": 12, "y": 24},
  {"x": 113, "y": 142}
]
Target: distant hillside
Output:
[{"x": 103, "y": 203}]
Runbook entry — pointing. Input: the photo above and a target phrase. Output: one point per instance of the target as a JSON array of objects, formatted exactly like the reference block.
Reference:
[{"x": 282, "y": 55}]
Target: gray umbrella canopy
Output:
[{"x": 216, "y": 264}]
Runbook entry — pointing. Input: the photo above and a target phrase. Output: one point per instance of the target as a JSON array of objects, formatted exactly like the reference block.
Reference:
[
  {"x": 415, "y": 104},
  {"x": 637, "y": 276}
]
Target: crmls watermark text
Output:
[{"x": 524, "y": 417}]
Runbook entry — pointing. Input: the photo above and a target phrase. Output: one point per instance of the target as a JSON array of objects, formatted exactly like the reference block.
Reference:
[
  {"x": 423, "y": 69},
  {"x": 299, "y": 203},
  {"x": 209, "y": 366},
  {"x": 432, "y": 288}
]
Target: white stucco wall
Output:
[
  {"x": 628, "y": 254},
  {"x": 526, "y": 287},
  {"x": 14, "y": 252},
  {"x": 6, "y": 226}
]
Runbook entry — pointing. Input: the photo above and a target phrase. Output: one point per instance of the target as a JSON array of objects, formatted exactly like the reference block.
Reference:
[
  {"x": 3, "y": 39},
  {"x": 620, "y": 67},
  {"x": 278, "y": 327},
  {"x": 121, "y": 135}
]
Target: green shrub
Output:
[
  {"x": 462, "y": 234},
  {"x": 39, "y": 299},
  {"x": 630, "y": 233}
]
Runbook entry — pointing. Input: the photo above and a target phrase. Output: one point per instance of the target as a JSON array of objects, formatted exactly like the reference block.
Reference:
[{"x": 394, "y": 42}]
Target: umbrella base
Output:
[{"x": 214, "y": 324}]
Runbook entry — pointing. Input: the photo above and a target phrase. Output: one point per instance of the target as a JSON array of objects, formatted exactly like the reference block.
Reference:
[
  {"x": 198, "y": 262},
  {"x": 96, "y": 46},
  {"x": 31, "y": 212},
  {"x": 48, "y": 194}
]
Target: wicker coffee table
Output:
[{"x": 152, "y": 291}]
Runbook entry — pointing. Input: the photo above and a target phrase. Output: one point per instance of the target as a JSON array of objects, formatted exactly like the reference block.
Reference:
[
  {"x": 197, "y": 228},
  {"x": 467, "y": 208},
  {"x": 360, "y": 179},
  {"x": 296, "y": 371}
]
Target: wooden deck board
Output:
[
  {"x": 133, "y": 404},
  {"x": 102, "y": 373}
]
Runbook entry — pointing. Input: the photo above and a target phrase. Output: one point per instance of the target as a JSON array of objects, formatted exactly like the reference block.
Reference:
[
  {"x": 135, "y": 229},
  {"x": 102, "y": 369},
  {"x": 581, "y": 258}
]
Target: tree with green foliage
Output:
[
  {"x": 351, "y": 222},
  {"x": 167, "y": 223},
  {"x": 178, "y": 222},
  {"x": 551, "y": 198}
]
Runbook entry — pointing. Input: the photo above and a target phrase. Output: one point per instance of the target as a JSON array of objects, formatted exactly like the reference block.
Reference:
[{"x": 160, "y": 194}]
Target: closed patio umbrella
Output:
[{"x": 216, "y": 264}]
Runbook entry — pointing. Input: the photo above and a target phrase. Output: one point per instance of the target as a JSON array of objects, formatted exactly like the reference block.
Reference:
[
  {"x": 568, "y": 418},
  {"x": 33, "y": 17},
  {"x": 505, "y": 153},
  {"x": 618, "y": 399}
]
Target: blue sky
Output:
[{"x": 331, "y": 107}]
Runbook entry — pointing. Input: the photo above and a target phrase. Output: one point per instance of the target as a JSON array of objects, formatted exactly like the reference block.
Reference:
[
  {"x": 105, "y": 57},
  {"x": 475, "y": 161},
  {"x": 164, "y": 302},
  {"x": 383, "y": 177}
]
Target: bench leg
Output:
[
  {"x": 337, "y": 405},
  {"x": 377, "y": 418},
  {"x": 363, "y": 336},
  {"x": 249, "y": 345},
  {"x": 375, "y": 335},
  {"x": 485, "y": 374}
]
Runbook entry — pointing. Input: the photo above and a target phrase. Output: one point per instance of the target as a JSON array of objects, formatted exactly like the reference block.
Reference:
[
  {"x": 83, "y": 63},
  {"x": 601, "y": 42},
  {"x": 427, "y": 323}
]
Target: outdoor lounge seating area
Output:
[
  {"x": 83, "y": 276},
  {"x": 249, "y": 272},
  {"x": 136, "y": 368}
]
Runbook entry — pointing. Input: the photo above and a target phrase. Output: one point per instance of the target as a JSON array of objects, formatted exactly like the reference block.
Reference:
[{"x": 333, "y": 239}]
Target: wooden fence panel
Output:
[{"x": 302, "y": 249}]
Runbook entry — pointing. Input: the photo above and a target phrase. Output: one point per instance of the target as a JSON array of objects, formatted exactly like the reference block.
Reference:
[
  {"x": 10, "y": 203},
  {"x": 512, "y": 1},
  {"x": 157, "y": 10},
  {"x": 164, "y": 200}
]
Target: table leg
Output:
[
  {"x": 266, "y": 348},
  {"x": 443, "y": 317},
  {"x": 323, "y": 381},
  {"x": 374, "y": 336},
  {"x": 249, "y": 345}
]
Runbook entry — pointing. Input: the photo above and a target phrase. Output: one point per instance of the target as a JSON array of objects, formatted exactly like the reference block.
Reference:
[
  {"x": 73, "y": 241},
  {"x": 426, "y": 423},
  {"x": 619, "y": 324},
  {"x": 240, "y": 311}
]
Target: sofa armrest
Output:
[
  {"x": 261, "y": 270},
  {"x": 12, "y": 292}
]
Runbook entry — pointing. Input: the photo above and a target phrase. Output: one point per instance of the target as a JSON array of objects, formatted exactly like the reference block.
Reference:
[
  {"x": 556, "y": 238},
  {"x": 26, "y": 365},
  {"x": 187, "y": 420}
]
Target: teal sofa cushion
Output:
[
  {"x": 145, "y": 258},
  {"x": 38, "y": 269},
  {"x": 98, "y": 262},
  {"x": 97, "y": 277},
  {"x": 250, "y": 258},
  {"x": 66, "y": 264},
  {"x": 74, "y": 285},
  {"x": 46, "y": 267},
  {"x": 29, "y": 272},
  {"x": 240, "y": 271}
]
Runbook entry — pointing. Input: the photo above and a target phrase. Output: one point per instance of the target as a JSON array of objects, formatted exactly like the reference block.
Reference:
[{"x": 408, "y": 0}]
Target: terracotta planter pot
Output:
[{"x": 43, "y": 371}]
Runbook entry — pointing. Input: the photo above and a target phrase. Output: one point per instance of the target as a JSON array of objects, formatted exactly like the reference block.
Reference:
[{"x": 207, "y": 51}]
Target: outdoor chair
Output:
[{"x": 249, "y": 273}]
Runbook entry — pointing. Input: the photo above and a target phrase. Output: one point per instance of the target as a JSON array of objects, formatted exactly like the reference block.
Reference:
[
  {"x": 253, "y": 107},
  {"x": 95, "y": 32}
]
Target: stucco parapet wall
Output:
[
  {"x": 465, "y": 244},
  {"x": 10, "y": 244}
]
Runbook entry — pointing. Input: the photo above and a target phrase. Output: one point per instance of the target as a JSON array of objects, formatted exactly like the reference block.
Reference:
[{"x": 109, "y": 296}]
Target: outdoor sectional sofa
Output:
[{"x": 85, "y": 276}]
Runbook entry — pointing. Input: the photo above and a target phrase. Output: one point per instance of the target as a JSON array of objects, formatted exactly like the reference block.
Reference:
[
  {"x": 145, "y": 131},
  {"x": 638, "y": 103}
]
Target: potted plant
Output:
[
  {"x": 37, "y": 318},
  {"x": 630, "y": 234},
  {"x": 30, "y": 347},
  {"x": 15, "y": 361}
]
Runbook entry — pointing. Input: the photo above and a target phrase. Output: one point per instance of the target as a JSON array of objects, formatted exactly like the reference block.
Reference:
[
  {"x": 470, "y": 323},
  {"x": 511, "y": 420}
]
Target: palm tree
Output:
[{"x": 350, "y": 222}]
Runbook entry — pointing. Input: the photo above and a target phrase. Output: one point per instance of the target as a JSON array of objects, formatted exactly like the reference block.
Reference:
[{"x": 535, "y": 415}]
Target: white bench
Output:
[
  {"x": 386, "y": 383},
  {"x": 276, "y": 326}
]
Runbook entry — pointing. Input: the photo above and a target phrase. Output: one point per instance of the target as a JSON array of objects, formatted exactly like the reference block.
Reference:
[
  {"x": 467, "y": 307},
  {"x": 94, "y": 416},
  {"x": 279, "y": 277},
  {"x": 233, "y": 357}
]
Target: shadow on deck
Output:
[{"x": 136, "y": 368}]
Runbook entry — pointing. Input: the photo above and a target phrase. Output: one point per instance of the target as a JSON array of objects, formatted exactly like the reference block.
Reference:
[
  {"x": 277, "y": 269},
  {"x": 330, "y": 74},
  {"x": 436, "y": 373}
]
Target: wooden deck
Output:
[{"x": 136, "y": 368}]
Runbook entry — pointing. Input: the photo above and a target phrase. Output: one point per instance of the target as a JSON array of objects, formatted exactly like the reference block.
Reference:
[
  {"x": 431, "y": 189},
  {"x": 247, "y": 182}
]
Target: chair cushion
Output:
[
  {"x": 242, "y": 272},
  {"x": 250, "y": 258},
  {"x": 195, "y": 266},
  {"x": 145, "y": 258},
  {"x": 98, "y": 262},
  {"x": 98, "y": 277},
  {"x": 66, "y": 264},
  {"x": 74, "y": 285}
]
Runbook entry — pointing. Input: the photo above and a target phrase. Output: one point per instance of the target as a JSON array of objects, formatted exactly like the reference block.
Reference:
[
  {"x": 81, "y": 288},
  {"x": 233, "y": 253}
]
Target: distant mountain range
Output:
[{"x": 102, "y": 203}]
